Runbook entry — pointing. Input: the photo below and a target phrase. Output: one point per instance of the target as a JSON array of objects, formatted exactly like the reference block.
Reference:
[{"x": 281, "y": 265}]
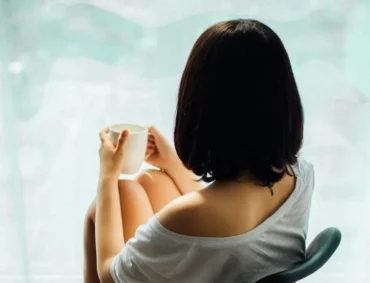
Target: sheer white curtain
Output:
[{"x": 69, "y": 68}]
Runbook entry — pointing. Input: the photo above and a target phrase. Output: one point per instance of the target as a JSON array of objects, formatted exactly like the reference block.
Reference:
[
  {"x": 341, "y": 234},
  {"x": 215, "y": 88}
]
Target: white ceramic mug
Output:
[{"x": 136, "y": 146}]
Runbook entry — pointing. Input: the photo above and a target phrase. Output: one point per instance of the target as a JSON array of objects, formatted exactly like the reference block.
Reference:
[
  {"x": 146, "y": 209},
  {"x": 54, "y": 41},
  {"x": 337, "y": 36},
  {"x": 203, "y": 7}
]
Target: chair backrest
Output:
[{"x": 317, "y": 254}]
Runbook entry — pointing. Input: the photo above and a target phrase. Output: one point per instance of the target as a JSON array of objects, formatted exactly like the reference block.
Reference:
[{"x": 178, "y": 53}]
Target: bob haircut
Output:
[{"x": 239, "y": 112}]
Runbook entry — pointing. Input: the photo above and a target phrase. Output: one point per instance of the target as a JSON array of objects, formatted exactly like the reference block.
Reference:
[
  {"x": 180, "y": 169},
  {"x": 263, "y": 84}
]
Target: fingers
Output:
[
  {"x": 122, "y": 142},
  {"x": 103, "y": 135},
  {"x": 154, "y": 132},
  {"x": 151, "y": 140},
  {"x": 151, "y": 137},
  {"x": 148, "y": 153},
  {"x": 151, "y": 148}
]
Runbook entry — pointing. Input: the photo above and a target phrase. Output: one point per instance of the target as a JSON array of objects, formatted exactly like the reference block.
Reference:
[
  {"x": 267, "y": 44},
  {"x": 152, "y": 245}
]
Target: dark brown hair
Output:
[{"x": 239, "y": 111}]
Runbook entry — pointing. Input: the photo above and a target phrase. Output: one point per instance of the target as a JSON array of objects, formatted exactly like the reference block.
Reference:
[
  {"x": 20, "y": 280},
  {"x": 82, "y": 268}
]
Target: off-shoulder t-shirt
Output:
[{"x": 156, "y": 254}]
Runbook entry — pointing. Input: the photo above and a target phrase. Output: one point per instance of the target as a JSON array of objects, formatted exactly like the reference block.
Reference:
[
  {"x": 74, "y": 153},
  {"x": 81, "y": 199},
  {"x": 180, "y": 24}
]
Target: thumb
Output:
[{"x": 122, "y": 142}]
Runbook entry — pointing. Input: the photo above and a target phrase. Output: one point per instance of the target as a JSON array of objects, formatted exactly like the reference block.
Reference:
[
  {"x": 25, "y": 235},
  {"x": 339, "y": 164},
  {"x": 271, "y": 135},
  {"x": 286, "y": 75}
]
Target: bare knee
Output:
[
  {"x": 153, "y": 177},
  {"x": 159, "y": 187},
  {"x": 122, "y": 184},
  {"x": 128, "y": 185}
]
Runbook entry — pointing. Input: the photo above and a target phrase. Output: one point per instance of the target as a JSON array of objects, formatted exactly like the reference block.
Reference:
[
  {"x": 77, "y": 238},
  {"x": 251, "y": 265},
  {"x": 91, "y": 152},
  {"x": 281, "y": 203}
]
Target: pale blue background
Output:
[{"x": 69, "y": 68}]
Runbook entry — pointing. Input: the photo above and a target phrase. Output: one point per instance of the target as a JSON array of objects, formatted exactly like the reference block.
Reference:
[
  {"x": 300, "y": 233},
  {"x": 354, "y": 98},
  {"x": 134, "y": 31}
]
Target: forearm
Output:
[
  {"x": 108, "y": 226},
  {"x": 184, "y": 179}
]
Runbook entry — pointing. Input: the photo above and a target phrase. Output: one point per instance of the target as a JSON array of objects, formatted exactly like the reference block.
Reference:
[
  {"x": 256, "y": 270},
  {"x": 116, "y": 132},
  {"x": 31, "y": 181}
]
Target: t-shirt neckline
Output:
[{"x": 250, "y": 235}]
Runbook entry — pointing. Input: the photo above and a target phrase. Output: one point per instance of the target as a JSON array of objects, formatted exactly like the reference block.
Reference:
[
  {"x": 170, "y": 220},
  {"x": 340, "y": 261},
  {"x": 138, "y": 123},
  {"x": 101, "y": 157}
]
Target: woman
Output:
[{"x": 239, "y": 126}]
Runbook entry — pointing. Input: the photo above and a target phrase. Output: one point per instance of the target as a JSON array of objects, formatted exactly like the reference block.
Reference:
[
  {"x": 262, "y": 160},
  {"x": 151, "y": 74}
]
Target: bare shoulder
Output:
[{"x": 185, "y": 214}]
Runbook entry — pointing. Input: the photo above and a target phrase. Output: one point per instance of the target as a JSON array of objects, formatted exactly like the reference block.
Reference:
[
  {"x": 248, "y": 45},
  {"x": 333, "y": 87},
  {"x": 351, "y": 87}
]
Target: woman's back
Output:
[
  {"x": 238, "y": 207},
  {"x": 218, "y": 236}
]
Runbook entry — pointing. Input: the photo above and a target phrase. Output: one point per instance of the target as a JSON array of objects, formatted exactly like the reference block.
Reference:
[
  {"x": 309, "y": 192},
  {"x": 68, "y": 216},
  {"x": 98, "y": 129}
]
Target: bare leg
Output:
[
  {"x": 135, "y": 210},
  {"x": 90, "y": 268},
  {"x": 135, "y": 207},
  {"x": 159, "y": 187}
]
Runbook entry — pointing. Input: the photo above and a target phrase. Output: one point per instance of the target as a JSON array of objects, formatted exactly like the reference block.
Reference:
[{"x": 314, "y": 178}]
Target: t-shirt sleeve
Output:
[{"x": 150, "y": 256}]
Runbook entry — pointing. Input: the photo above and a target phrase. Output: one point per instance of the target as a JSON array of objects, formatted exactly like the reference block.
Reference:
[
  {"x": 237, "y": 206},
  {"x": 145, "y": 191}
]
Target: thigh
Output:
[
  {"x": 136, "y": 208},
  {"x": 159, "y": 187}
]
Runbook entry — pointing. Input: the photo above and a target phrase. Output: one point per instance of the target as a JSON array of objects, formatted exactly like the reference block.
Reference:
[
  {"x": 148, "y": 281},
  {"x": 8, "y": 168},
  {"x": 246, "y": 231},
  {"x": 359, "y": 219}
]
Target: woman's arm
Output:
[
  {"x": 184, "y": 179},
  {"x": 108, "y": 220},
  {"x": 161, "y": 154},
  {"x": 108, "y": 227}
]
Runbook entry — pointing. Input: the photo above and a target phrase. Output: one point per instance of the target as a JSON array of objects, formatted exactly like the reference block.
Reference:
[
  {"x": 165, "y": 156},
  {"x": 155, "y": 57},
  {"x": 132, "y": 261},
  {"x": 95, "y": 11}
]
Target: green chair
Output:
[{"x": 317, "y": 254}]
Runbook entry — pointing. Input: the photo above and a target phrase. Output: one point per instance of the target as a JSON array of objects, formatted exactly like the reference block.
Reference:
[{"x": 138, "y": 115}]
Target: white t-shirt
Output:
[{"x": 156, "y": 254}]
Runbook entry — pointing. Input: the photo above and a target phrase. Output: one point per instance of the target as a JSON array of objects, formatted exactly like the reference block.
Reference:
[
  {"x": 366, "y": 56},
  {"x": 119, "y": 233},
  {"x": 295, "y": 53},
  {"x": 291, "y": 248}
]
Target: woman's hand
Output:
[
  {"x": 111, "y": 156},
  {"x": 159, "y": 152}
]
